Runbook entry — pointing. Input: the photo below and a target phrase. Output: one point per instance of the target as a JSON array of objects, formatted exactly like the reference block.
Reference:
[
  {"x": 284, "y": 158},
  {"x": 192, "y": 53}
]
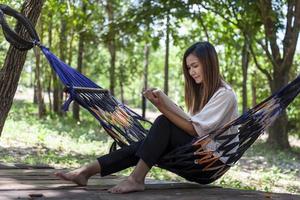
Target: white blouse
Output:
[{"x": 220, "y": 109}]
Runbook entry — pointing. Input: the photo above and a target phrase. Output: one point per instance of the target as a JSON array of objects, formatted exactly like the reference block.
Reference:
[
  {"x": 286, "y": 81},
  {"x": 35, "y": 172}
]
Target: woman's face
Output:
[{"x": 194, "y": 67}]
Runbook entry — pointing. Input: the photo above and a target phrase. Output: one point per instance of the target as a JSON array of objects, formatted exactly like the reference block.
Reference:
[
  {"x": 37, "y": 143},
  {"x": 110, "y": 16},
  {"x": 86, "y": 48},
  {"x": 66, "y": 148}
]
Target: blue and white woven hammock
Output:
[{"x": 190, "y": 161}]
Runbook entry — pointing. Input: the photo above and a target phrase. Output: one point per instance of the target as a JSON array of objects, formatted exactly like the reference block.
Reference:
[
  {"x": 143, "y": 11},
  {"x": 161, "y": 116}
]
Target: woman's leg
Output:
[
  {"x": 135, "y": 181},
  {"x": 105, "y": 165},
  {"x": 162, "y": 137},
  {"x": 81, "y": 175}
]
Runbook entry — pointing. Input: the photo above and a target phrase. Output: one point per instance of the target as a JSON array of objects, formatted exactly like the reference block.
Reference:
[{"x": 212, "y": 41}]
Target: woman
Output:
[{"x": 210, "y": 101}]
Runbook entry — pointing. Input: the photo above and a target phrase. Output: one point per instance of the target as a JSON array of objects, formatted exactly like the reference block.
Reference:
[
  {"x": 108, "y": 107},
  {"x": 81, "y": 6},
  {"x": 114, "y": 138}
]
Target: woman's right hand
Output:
[{"x": 154, "y": 96}]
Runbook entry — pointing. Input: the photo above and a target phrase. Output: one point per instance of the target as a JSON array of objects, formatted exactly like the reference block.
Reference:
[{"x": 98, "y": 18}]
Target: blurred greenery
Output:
[{"x": 61, "y": 141}]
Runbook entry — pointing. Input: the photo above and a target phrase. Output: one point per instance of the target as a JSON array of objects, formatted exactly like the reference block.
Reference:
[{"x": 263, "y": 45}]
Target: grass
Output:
[
  {"x": 267, "y": 169},
  {"x": 65, "y": 143},
  {"x": 60, "y": 142}
]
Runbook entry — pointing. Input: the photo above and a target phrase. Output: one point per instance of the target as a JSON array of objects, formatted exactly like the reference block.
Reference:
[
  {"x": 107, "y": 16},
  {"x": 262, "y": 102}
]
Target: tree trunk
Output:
[
  {"x": 50, "y": 76},
  {"x": 14, "y": 62},
  {"x": 63, "y": 57},
  {"x": 76, "y": 109},
  {"x": 112, "y": 79},
  {"x": 80, "y": 55},
  {"x": 35, "y": 98},
  {"x": 166, "y": 81},
  {"x": 146, "y": 65},
  {"x": 39, "y": 90},
  {"x": 111, "y": 47},
  {"x": 245, "y": 64},
  {"x": 278, "y": 134},
  {"x": 121, "y": 81},
  {"x": 57, "y": 87},
  {"x": 70, "y": 56},
  {"x": 253, "y": 88},
  {"x": 56, "y": 99},
  {"x": 38, "y": 84}
]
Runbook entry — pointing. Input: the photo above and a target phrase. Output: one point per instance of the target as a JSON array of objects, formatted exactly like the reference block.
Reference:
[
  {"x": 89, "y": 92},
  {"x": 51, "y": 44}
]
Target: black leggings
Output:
[{"x": 163, "y": 137}]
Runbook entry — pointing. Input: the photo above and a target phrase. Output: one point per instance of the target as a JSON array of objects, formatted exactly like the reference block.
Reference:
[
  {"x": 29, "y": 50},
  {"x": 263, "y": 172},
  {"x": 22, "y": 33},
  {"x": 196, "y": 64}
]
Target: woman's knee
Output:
[
  {"x": 161, "y": 119},
  {"x": 160, "y": 125}
]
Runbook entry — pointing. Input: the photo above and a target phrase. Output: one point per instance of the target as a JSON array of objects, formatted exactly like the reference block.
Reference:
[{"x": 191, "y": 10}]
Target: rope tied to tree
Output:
[{"x": 14, "y": 38}]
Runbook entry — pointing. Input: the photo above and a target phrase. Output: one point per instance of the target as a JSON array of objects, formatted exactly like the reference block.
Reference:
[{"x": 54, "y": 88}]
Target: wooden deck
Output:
[{"x": 31, "y": 182}]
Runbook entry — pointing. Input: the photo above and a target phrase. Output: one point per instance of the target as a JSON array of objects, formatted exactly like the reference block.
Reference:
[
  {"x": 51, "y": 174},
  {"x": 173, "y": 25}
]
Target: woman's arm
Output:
[{"x": 167, "y": 107}]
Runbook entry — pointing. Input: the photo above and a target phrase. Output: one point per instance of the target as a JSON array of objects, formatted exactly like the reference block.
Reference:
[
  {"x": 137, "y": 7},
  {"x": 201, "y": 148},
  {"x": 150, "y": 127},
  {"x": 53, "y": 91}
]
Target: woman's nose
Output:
[{"x": 192, "y": 72}]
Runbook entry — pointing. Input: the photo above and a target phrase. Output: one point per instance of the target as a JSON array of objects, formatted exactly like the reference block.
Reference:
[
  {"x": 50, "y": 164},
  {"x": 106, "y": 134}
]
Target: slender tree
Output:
[
  {"x": 111, "y": 44},
  {"x": 80, "y": 55},
  {"x": 146, "y": 66},
  {"x": 38, "y": 76},
  {"x": 167, "y": 43}
]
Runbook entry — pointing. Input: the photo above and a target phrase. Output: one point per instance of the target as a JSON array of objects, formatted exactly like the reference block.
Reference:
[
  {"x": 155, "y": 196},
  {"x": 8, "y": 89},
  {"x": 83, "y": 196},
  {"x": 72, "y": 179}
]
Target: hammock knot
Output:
[
  {"x": 37, "y": 43},
  {"x": 67, "y": 103}
]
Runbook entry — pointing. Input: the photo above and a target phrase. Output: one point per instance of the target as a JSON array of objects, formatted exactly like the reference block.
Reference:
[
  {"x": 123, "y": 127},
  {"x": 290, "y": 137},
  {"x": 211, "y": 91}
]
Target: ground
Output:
[{"x": 41, "y": 184}]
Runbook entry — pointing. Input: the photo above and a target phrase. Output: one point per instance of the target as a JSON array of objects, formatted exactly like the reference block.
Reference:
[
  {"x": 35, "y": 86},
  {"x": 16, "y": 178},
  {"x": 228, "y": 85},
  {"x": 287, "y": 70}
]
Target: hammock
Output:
[{"x": 125, "y": 126}]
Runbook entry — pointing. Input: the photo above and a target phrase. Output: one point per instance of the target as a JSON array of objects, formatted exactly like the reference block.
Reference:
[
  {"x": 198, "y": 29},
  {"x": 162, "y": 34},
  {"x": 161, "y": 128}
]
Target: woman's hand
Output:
[{"x": 154, "y": 95}]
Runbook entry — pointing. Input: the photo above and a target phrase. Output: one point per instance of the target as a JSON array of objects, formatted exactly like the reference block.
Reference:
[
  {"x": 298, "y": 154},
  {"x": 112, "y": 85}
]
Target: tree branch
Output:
[
  {"x": 265, "y": 48},
  {"x": 270, "y": 28},
  {"x": 292, "y": 34},
  {"x": 288, "y": 30},
  {"x": 203, "y": 26},
  {"x": 219, "y": 13},
  {"x": 264, "y": 71}
]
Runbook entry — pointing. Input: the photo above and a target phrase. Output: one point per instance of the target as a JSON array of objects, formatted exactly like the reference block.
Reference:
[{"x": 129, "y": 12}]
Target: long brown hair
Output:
[{"x": 197, "y": 95}]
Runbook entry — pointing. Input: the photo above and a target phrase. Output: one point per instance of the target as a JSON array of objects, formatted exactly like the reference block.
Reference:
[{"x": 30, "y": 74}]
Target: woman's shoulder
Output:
[{"x": 225, "y": 91}]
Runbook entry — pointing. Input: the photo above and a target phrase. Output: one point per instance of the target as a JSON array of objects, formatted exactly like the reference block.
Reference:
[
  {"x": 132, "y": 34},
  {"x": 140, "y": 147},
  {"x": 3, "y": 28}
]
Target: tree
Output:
[
  {"x": 80, "y": 55},
  {"x": 242, "y": 15},
  {"x": 49, "y": 20},
  {"x": 14, "y": 62},
  {"x": 38, "y": 83},
  {"x": 57, "y": 87},
  {"x": 145, "y": 79},
  {"x": 166, "y": 81},
  {"x": 272, "y": 17},
  {"x": 111, "y": 43}
]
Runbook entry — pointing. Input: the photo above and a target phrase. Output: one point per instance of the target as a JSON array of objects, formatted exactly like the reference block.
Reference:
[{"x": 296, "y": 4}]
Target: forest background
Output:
[{"x": 126, "y": 46}]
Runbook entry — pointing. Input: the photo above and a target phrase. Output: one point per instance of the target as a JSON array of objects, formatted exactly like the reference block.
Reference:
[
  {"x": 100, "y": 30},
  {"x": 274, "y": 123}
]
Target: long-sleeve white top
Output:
[{"x": 220, "y": 109}]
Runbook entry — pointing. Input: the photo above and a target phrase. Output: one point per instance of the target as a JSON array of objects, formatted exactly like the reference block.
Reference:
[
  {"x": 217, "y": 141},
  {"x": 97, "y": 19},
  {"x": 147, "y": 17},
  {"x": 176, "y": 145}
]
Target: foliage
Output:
[{"x": 64, "y": 142}]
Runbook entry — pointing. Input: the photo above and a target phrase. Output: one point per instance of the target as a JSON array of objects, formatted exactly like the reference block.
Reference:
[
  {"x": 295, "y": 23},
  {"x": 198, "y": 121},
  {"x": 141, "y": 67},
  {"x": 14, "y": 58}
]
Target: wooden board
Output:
[{"x": 42, "y": 184}]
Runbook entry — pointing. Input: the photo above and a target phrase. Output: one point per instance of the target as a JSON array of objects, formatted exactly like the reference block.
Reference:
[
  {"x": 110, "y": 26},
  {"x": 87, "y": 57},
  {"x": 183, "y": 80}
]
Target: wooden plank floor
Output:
[{"x": 32, "y": 182}]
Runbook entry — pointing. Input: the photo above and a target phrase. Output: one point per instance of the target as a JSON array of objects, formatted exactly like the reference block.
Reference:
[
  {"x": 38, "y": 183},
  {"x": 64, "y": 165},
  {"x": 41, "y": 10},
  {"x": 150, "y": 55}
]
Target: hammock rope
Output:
[{"x": 191, "y": 161}]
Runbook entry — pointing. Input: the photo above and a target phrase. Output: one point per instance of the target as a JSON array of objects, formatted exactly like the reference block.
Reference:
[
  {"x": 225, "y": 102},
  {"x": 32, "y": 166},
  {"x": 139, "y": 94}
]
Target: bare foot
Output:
[
  {"x": 128, "y": 185},
  {"x": 75, "y": 176}
]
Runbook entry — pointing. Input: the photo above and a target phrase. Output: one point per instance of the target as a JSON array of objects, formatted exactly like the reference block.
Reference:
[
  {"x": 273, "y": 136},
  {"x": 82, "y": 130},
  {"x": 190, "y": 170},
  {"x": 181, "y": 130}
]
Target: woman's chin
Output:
[{"x": 198, "y": 81}]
